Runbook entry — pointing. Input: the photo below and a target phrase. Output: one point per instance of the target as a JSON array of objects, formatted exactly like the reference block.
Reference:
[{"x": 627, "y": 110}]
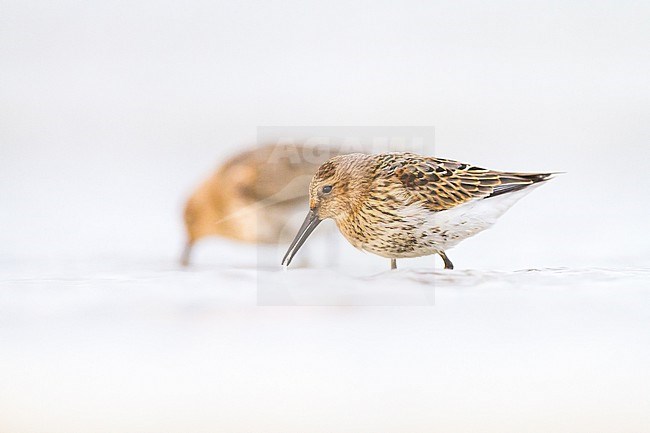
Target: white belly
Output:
[{"x": 443, "y": 230}]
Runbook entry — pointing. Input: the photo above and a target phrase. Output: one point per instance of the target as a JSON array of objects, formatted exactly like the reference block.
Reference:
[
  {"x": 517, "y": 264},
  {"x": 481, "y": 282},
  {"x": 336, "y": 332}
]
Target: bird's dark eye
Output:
[{"x": 327, "y": 189}]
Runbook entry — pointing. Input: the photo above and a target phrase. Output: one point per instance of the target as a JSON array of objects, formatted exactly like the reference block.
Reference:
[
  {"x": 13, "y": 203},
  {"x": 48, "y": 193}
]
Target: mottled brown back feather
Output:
[{"x": 441, "y": 184}]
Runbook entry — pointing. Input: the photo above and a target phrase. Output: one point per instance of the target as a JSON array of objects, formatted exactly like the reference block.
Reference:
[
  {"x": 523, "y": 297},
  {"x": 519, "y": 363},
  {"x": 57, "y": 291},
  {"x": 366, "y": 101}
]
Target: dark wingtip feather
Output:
[
  {"x": 539, "y": 177},
  {"x": 520, "y": 181}
]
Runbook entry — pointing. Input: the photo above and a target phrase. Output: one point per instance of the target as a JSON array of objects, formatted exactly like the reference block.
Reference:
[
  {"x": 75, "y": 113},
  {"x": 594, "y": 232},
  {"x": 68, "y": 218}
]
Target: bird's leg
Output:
[
  {"x": 393, "y": 263},
  {"x": 448, "y": 263},
  {"x": 185, "y": 256}
]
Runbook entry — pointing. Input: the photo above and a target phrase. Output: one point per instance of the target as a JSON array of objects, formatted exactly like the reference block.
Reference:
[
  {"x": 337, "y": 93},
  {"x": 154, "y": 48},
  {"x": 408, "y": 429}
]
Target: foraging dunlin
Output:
[
  {"x": 251, "y": 195},
  {"x": 399, "y": 205}
]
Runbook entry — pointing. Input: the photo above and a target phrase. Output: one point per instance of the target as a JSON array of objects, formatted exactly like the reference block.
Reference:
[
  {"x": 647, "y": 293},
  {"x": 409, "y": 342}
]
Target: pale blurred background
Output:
[{"x": 112, "y": 112}]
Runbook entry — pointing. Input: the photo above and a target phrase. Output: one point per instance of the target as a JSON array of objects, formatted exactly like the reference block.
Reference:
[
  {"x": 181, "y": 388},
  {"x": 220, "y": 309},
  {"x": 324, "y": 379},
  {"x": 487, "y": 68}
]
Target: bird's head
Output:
[
  {"x": 329, "y": 190},
  {"x": 335, "y": 191}
]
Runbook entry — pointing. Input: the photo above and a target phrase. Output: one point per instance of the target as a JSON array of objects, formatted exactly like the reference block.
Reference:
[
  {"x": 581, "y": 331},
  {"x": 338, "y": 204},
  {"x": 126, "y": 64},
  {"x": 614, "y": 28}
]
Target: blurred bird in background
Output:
[{"x": 250, "y": 197}]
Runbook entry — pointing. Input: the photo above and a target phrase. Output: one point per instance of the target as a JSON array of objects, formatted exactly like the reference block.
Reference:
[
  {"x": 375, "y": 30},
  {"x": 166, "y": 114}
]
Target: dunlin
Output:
[
  {"x": 399, "y": 205},
  {"x": 251, "y": 195}
]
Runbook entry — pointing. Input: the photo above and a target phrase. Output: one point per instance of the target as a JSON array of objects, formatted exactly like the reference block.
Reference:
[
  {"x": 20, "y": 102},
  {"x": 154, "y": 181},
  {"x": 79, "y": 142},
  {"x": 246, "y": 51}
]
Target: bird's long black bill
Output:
[{"x": 308, "y": 226}]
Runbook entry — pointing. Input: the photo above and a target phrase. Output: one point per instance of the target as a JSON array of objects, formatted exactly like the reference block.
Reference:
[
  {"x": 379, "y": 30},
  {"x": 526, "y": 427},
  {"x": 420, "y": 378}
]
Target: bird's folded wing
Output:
[{"x": 442, "y": 184}]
